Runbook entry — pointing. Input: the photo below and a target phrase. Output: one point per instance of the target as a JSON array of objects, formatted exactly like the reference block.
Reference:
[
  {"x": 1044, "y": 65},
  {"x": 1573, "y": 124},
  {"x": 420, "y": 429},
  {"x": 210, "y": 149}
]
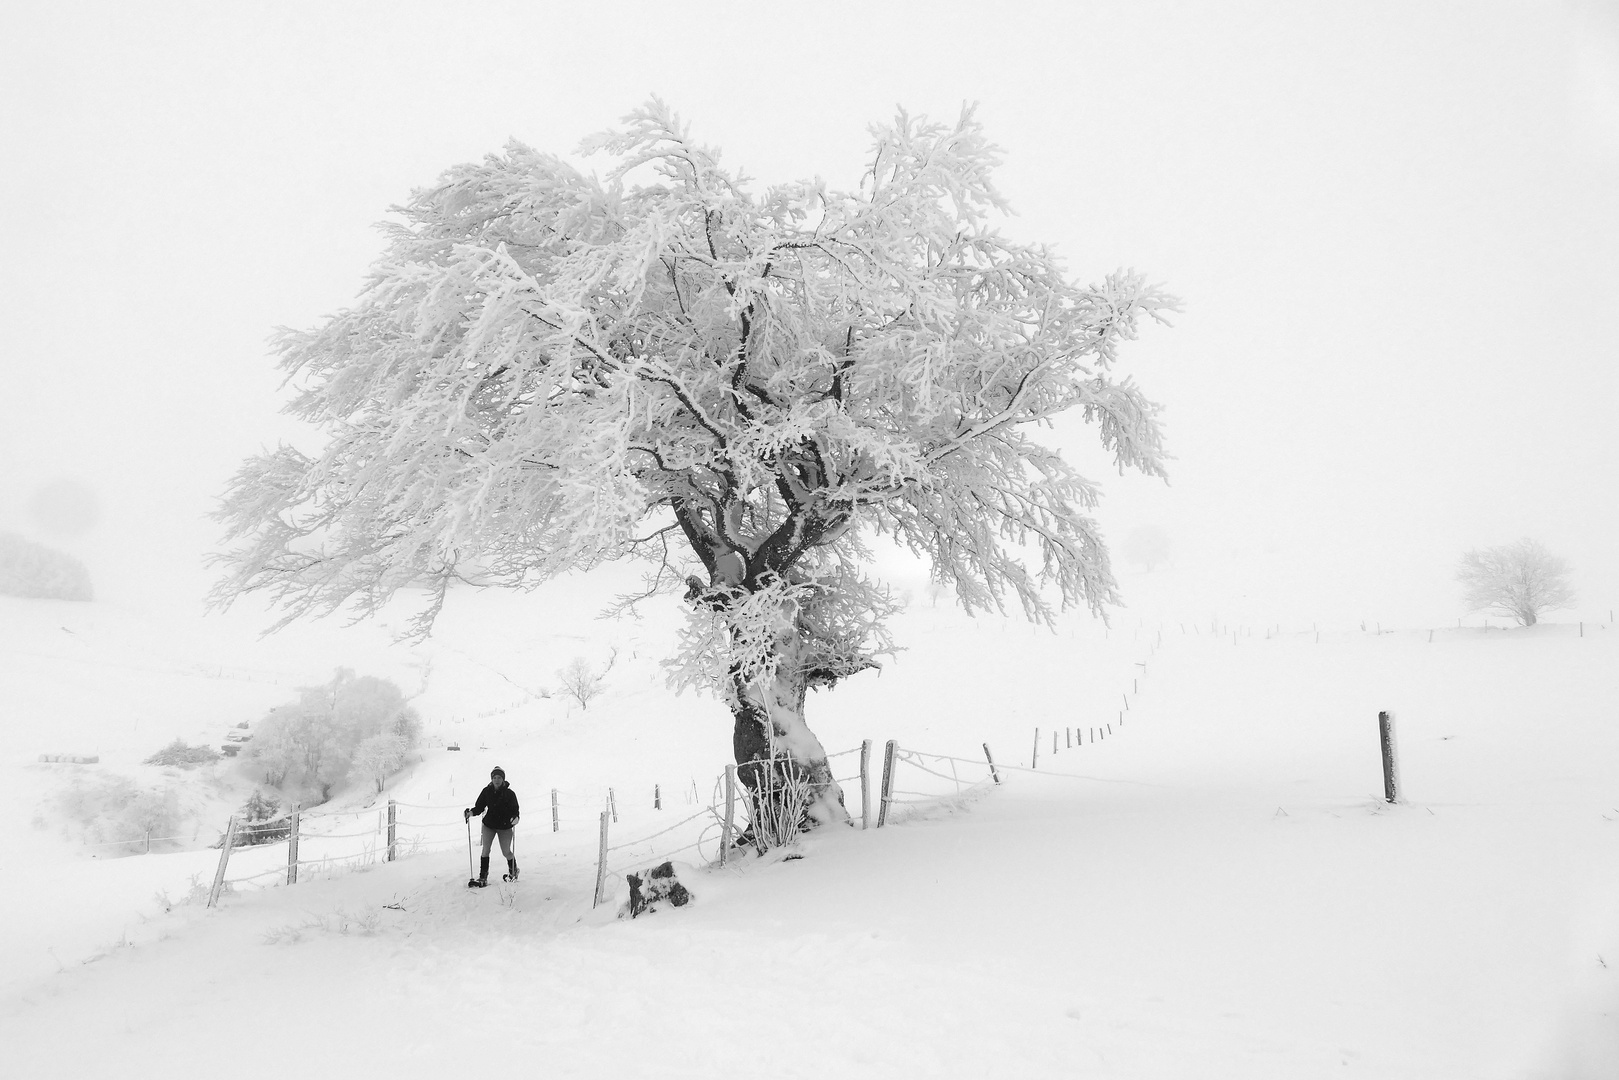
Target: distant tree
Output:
[
  {"x": 549, "y": 371},
  {"x": 582, "y": 682},
  {"x": 1147, "y": 545},
  {"x": 1517, "y": 581},
  {"x": 38, "y": 572},
  {"x": 379, "y": 757}
]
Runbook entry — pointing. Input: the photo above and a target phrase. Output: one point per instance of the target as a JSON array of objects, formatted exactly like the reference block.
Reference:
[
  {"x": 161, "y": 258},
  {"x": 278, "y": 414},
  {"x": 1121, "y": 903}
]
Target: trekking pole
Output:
[{"x": 472, "y": 875}]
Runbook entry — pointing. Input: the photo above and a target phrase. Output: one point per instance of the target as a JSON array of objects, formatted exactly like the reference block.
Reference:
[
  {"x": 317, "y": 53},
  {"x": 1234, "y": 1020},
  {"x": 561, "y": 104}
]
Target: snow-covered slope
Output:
[{"x": 1215, "y": 890}]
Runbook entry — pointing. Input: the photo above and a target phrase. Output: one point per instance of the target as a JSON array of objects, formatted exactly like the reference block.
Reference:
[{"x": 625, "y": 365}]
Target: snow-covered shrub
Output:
[
  {"x": 38, "y": 572},
  {"x": 260, "y": 821},
  {"x": 184, "y": 756},
  {"x": 114, "y": 811}
]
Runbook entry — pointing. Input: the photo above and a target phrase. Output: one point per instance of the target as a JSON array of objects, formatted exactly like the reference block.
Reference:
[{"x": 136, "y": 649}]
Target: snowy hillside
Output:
[{"x": 1214, "y": 890}]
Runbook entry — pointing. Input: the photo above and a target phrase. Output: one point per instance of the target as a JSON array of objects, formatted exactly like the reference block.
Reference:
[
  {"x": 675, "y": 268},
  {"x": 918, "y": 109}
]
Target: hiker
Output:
[{"x": 497, "y": 802}]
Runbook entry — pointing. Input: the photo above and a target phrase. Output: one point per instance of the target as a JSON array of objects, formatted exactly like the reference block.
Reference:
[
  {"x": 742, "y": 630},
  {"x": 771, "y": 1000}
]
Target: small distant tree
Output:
[
  {"x": 582, "y": 682},
  {"x": 1516, "y": 581},
  {"x": 1147, "y": 545},
  {"x": 379, "y": 757},
  {"x": 549, "y": 371}
]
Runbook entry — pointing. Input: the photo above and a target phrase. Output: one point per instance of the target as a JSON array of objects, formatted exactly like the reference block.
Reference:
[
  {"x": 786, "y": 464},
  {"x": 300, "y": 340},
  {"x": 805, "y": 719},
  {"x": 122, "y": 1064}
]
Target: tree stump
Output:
[{"x": 653, "y": 887}]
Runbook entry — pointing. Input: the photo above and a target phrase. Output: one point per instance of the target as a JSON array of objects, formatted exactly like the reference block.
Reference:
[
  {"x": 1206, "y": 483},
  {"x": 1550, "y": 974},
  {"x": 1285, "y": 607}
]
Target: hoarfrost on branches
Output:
[
  {"x": 547, "y": 371},
  {"x": 1519, "y": 581}
]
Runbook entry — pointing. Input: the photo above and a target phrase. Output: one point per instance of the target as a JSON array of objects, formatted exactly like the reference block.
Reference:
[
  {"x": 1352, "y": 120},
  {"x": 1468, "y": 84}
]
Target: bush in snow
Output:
[
  {"x": 35, "y": 571},
  {"x": 352, "y": 724},
  {"x": 1517, "y": 581},
  {"x": 179, "y": 754},
  {"x": 109, "y": 810},
  {"x": 260, "y": 821}
]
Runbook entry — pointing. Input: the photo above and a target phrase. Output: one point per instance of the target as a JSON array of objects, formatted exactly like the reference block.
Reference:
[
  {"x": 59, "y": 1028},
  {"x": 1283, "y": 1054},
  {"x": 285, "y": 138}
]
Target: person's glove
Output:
[{"x": 466, "y": 815}]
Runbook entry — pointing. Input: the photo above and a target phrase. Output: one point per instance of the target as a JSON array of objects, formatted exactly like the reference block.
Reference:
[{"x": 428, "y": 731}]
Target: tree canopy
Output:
[
  {"x": 1519, "y": 581},
  {"x": 547, "y": 370}
]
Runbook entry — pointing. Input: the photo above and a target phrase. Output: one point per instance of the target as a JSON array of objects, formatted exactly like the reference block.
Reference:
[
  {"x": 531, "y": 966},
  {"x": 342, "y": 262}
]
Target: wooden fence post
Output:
[
  {"x": 1391, "y": 770},
  {"x": 601, "y": 863},
  {"x": 1069, "y": 733},
  {"x": 865, "y": 783},
  {"x": 292, "y": 848},
  {"x": 888, "y": 782},
  {"x": 1053, "y": 740},
  {"x": 556, "y": 822},
  {"x": 224, "y": 858},
  {"x": 612, "y": 805},
  {"x": 991, "y": 759},
  {"x": 393, "y": 820},
  {"x": 1034, "y": 758},
  {"x": 730, "y": 808},
  {"x": 657, "y": 797}
]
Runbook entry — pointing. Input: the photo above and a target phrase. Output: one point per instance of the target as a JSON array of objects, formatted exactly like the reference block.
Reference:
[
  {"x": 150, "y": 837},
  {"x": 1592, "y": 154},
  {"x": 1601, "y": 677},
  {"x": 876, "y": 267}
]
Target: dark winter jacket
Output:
[{"x": 501, "y": 804}]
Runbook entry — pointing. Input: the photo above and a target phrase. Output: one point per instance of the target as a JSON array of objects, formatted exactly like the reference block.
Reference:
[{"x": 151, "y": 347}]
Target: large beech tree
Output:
[{"x": 547, "y": 371}]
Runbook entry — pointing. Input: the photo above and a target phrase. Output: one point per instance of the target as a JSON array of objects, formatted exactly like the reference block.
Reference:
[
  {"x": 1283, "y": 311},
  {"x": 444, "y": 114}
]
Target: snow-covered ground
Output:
[{"x": 1214, "y": 890}]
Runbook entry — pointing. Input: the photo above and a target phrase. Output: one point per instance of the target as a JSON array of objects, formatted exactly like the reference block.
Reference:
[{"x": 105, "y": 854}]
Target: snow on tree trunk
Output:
[{"x": 779, "y": 758}]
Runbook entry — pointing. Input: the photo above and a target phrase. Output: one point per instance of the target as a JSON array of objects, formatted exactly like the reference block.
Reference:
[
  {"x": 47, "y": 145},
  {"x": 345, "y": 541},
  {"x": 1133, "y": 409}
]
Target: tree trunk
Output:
[{"x": 778, "y": 757}]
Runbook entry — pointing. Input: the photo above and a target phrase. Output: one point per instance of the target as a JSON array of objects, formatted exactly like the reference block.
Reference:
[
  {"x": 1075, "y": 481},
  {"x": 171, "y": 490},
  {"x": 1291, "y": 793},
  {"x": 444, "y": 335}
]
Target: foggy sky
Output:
[{"x": 1395, "y": 228}]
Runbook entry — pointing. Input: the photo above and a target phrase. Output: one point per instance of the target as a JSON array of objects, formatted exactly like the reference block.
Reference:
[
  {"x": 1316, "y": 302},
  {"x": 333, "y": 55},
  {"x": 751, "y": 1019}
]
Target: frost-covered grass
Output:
[{"x": 1217, "y": 890}]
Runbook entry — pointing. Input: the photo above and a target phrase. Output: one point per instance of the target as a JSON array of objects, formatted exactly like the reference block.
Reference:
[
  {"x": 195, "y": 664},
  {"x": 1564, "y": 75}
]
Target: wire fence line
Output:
[{"x": 735, "y": 818}]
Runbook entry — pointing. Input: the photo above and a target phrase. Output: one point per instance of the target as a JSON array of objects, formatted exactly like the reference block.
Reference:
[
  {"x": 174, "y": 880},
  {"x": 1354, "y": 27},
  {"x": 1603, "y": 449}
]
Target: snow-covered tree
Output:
[
  {"x": 1517, "y": 581},
  {"x": 378, "y": 757},
  {"x": 1147, "y": 545},
  {"x": 34, "y": 570},
  {"x": 582, "y": 682},
  {"x": 350, "y": 724},
  {"x": 548, "y": 371}
]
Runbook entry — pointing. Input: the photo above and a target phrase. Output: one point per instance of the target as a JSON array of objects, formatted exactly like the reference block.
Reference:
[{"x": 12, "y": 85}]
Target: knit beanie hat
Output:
[{"x": 497, "y": 771}]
